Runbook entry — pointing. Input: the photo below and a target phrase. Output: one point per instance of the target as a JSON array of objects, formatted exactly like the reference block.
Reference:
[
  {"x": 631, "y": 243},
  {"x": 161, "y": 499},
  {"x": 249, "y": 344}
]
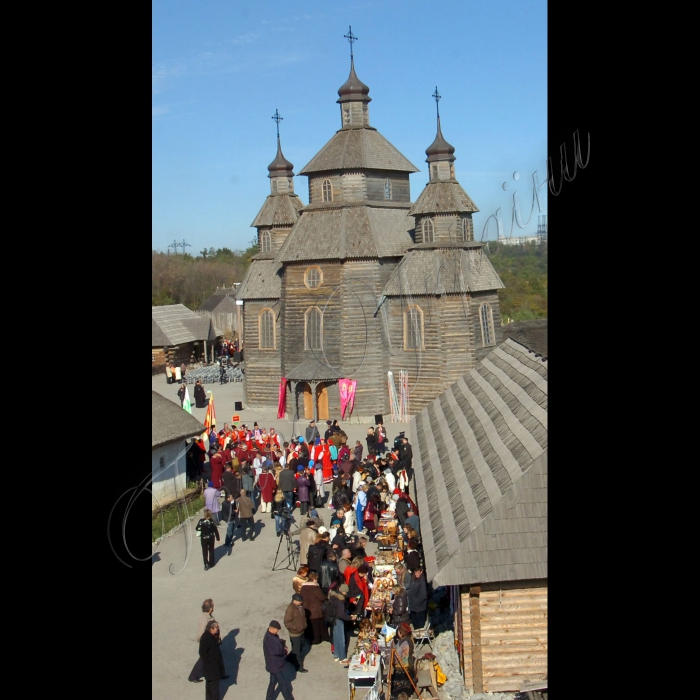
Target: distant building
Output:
[
  {"x": 222, "y": 309},
  {"x": 179, "y": 335}
]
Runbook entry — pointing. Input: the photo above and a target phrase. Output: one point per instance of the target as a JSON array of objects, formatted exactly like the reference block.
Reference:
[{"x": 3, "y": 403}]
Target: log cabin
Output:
[{"x": 480, "y": 461}]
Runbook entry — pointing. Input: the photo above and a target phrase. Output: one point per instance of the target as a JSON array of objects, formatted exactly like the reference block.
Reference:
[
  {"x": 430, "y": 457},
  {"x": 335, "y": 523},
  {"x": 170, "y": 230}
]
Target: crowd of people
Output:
[{"x": 253, "y": 470}]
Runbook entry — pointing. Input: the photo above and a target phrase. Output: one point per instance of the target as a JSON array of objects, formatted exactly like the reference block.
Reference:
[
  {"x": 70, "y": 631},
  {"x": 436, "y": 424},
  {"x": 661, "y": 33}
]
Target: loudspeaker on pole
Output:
[
  {"x": 379, "y": 418},
  {"x": 238, "y": 406}
]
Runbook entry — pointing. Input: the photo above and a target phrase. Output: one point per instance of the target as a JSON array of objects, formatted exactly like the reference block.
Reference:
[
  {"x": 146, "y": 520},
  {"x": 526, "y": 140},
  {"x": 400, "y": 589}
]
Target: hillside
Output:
[{"x": 523, "y": 269}]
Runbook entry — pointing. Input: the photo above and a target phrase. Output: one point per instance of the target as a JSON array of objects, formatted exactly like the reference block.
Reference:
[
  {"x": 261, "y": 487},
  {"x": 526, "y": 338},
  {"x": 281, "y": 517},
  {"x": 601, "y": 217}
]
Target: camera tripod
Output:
[{"x": 291, "y": 558}]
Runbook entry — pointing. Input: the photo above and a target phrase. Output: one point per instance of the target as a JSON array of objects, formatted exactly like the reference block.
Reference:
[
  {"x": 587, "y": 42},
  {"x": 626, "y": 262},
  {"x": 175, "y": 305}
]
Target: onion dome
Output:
[
  {"x": 353, "y": 89},
  {"x": 439, "y": 149},
  {"x": 280, "y": 166}
]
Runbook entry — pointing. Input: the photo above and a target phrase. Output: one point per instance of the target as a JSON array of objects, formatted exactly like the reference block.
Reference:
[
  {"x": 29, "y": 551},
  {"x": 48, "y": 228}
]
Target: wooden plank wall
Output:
[
  {"x": 263, "y": 367},
  {"x": 424, "y": 367},
  {"x": 478, "y": 298},
  {"x": 512, "y": 635},
  {"x": 400, "y": 186},
  {"x": 363, "y": 354},
  {"x": 457, "y": 337},
  {"x": 354, "y": 188},
  {"x": 279, "y": 235}
]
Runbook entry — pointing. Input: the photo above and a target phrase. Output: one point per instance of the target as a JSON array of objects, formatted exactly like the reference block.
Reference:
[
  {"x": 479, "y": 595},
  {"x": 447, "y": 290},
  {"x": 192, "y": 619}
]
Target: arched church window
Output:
[
  {"x": 313, "y": 329},
  {"x": 428, "y": 230},
  {"x": 313, "y": 277},
  {"x": 327, "y": 191},
  {"x": 265, "y": 242},
  {"x": 266, "y": 329},
  {"x": 413, "y": 328},
  {"x": 486, "y": 318},
  {"x": 387, "y": 189}
]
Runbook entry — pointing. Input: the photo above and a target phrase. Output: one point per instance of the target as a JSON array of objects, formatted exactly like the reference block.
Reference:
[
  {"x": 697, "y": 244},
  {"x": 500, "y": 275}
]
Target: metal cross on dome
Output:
[
  {"x": 351, "y": 38},
  {"x": 437, "y": 97},
  {"x": 278, "y": 119}
]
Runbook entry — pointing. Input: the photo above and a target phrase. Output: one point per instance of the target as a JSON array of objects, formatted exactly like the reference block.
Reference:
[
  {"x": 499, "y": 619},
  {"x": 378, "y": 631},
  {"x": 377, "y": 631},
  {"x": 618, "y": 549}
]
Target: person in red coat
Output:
[
  {"x": 327, "y": 463},
  {"x": 359, "y": 590},
  {"x": 217, "y": 468},
  {"x": 267, "y": 486}
]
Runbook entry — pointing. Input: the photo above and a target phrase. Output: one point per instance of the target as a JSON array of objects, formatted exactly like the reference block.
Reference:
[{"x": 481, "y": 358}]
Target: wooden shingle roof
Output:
[
  {"x": 223, "y": 299},
  {"x": 312, "y": 370},
  {"x": 170, "y": 422},
  {"x": 176, "y": 324},
  {"x": 351, "y": 149},
  {"x": 532, "y": 334},
  {"x": 443, "y": 270},
  {"x": 279, "y": 210},
  {"x": 443, "y": 197},
  {"x": 262, "y": 281},
  {"x": 339, "y": 233},
  {"x": 479, "y": 454}
]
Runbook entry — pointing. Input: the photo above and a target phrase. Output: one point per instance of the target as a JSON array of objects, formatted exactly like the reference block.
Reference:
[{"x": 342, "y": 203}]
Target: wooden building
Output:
[
  {"x": 171, "y": 426},
  {"x": 480, "y": 459},
  {"x": 361, "y": 281},
  {"x": 179, "y": 335},
  {"x": 222, "y": 309}
]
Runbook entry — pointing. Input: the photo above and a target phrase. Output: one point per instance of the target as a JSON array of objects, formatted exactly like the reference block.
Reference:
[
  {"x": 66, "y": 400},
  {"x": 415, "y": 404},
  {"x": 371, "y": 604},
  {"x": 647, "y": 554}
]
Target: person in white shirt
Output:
[
  {"x": 390, "y": 480},
  {"x": 281, "y": 459},
  {"x": 356, "y": 479}
]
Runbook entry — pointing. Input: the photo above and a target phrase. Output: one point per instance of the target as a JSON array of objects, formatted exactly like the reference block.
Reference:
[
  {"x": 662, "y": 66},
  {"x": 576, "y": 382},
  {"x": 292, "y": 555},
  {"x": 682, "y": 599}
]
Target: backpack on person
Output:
[{"x": 329, "y": 611}]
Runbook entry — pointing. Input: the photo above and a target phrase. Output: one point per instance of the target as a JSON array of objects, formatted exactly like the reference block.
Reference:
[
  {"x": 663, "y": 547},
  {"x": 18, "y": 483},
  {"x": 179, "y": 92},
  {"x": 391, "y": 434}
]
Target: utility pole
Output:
[
  {"x": 183, "y": 244},
  {"x": 174, "y": 246}
]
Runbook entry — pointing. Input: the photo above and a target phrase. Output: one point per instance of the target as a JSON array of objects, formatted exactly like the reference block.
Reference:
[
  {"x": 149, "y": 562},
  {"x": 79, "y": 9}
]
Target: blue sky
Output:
[{"x": 220, "y": 68}]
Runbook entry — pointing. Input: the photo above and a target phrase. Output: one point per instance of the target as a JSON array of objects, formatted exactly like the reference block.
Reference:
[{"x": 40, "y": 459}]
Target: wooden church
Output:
[{"x": 361, "y": 281}]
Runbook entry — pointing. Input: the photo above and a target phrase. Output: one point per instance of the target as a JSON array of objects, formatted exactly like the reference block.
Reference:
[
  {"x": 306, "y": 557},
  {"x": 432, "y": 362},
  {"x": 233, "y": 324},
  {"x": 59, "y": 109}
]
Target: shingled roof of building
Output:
[
  {"x": 480, "y": 460},
  {"x": 169, "y": 422},
  {"x": 443, "y": 270},
  {"x": 262, "y": 281},
  {"x": 279, "y": 210},
  {"x": 311, "y": 370},
  {"x": 532, "y": 334},
  {"x": 176, "y": 324},
  {"x": 356, "y": 149},
  {"x": 443, "y": 197},
  {"x": 339, "y": 233},
  {"x": 223, "y": 299}
]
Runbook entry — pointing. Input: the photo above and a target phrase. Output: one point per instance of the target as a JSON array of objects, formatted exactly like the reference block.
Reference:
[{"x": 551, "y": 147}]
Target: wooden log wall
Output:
[
  {"x": 158, "y": 357},
  {"x": 425, "y": 367},
  {"x": 279, "y": 235},
  {"x": 457, "y": 334},
  {"x": 477, "y": 298},
  {"x": 359, "y": 186},
  {"x": 364, "y": 356},
  {"x": 400, "y": 186},
  {"x": 297, "y": 299},
  {"x": 263, "y": 366},
  {"x": 504, "y": 635},
  {"x": 446, "y": 227}
]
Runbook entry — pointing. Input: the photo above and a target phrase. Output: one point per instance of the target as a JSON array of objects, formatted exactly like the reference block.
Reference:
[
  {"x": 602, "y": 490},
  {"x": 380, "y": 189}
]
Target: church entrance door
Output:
[
  {"x": 308, "y": 401},
  {"x": 322, "y": 401}
]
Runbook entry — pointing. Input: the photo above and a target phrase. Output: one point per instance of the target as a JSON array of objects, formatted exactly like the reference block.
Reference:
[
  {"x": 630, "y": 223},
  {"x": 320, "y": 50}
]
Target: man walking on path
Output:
[
  {"x": 245, "y": 515},
  {"x": 295, "y": 622},
  {"x": 275, "y": 653},
  {"x": 212, "y": 660}
]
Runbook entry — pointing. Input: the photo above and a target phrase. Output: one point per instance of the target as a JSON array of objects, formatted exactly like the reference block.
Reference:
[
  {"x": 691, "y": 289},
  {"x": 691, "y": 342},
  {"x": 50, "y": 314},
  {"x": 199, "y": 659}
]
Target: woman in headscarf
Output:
[
  {"x": 327, "y": 463},
  {"x": 403, "y": 650}
]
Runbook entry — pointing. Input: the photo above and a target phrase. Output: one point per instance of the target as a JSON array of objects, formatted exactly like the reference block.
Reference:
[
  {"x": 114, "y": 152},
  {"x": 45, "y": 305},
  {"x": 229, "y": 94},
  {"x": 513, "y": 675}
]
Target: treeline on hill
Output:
[
  {"x": 185, "y": 279},
  {"x": 523, "y": 270},
  {"x": 189, "y": 280}
]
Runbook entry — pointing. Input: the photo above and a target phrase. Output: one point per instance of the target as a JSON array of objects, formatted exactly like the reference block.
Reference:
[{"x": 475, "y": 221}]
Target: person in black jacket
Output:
[
  {"x": 402, "y": 510},
  {"x": 317, "y": 553},
  {"x": 275, "y": 652},
  {"x": 209, "y": 530},
  {"x": 418, "y": 599},
  {"x": 399, "y": 608},
  {"x": 328, "y": 573},
  {"x": 228, "y": 516},
  {"x": 371, "y": 440},
  {"x": 212, "y": 660},
  {"x": 338, "y": 598}
]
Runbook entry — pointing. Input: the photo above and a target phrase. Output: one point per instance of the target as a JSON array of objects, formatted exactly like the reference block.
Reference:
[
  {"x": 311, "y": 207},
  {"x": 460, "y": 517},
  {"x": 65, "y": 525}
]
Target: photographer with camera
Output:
[{"x": 282, "y": 513}]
